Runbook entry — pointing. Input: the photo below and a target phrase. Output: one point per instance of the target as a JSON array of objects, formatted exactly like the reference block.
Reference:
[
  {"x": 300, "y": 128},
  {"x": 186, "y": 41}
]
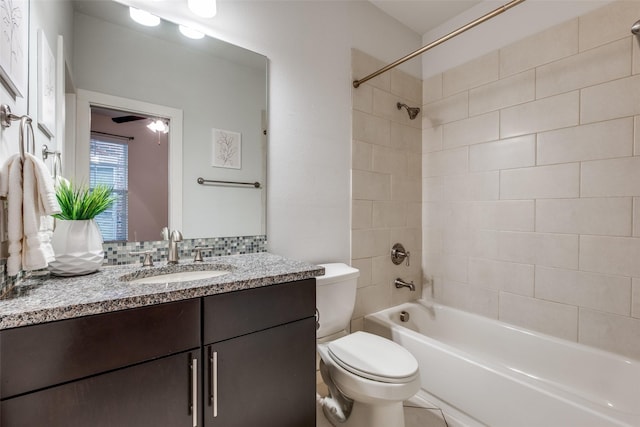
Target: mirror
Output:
[{"x": 212, "y": 93}]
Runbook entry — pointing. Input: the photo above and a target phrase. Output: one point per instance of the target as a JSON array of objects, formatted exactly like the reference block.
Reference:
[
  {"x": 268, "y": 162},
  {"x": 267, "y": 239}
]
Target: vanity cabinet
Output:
[
  {"x": 242, "y": 358},
  {"x": 260, "y": 357}
]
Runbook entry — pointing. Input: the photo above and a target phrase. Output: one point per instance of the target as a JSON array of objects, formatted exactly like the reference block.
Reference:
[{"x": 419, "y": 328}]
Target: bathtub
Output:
[{"x": 480, "y": 371}]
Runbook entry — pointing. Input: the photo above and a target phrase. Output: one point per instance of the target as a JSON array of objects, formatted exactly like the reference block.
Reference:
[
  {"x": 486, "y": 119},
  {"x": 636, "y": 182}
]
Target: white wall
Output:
[{"x": 309, "y": 49}]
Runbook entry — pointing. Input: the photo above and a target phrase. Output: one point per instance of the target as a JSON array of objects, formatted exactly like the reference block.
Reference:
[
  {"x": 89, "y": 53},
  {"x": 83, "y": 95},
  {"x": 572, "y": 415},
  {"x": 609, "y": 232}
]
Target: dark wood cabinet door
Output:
[
  {"x": 264, "y": 379},
  {"x": 153, "y": 394}
]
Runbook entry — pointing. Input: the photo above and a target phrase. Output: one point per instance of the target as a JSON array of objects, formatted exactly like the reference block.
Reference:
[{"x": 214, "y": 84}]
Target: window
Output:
[{"x": 109, "y": 164}]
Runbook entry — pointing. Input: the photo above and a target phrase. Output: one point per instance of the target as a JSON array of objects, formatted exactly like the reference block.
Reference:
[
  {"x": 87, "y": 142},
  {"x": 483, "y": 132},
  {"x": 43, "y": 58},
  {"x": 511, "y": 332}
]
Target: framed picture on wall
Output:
[
  {"x": 227, "y": 149},
  {"x": 46, "y": 86},
  {"x": 14, "y": 46}
]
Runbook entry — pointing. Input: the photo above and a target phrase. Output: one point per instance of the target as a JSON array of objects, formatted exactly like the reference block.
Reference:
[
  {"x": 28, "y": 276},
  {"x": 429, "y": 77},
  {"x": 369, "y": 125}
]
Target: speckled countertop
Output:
[{"x": 46, "y": 299}]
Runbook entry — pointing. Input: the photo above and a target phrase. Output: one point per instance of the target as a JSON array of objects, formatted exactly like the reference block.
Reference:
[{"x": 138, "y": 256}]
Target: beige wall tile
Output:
[
  {"x": 455, "y": 215},
  {"x": 610, "y": 332},
  {"x": 432, "y": 89},
  {"x": 484, "y": 243},
  {"x": 471, "y": 74},
  {"x": 432, "y": 215},
  {"x": 406, "y": 188},
  {"x": 385, "y": 106},
  {"x": 610, "y": 178},
  {"x": 541, "y": 182},
  {"x": 636, "y": 136},
  {"x": 446, "y": 162},
  {"x": 411, "y": 239},
  {"x": 370, "y": 186},
  {"x": 388, "y": 214},
  {"x": 560, "y": 320},
  {"x": 414, "y": 214},
  {"x": 432, "y": 189},
  {"x": 406, "y": 86},
  {"x": 636, "y": 217},
  {"x": 545, "y": 114},
  {"x": 431, "y": 241},
  {"x": 635, "y": 297},
  {"x": 551, "y": 250},
  {"x": 361, "y": 214},
  {"x": 364, "y": 265},
  {"x": 362, "y": 64},
  {"x": 609, "y": 216},
  {"x": 389, "y": 160},
  {"x": 371, "y": 299},
  {"x": 509, "y": 153},
  {"x": 431, "y": 139},
  {"x": 541, "y": 48},
  {"x": 608, "y": 23},
  {"x": 369, "y": 243},
  {"x": 362, "y": 156},
  {"x": 517, "y": 89},
  {"x": 447, "y": 110},
  {"x": 363, "y": 98},
  {"x": 599, "y": 65},
  {"x": 505, "y": 215},
  {"x": 501, "y": 276},
  {"x": 414, "y": 166},
  {"x": 635, "y": 56},
  {"x": 456, "y": 241},
  {"x": 469, "y": 298},
  {"x": 406, "y": 138},
  {"x": 475, "y": 186},
  {"x": 619, "y": 98},
  {"x": 371, "y": 129},
  {"x": 610, "y": 255},
  {"x": 472, "y": 130},
  {"x": 454, "y": 268},
  {"x": 601, "y": 292},
  {"x": 603, "y": 140}
]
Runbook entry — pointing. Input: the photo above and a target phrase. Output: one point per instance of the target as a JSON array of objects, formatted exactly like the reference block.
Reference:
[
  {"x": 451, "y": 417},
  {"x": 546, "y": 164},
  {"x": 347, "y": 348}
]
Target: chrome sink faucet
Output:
[{"x": 173, "y": 237}]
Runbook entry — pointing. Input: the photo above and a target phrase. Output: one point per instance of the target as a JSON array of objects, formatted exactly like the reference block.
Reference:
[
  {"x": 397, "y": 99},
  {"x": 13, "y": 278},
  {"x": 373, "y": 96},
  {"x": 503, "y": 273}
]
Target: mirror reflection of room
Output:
[{"x": 129, "y": 152}]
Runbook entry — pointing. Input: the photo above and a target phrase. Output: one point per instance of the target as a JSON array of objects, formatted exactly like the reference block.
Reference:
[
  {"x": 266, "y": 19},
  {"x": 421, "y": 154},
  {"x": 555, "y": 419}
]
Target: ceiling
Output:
[{"x": 423, "y": 15}]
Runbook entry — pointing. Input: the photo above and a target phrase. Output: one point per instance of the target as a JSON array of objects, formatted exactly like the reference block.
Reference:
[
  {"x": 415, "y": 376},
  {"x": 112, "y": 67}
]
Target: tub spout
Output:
[{"x": 402, "y": 284}]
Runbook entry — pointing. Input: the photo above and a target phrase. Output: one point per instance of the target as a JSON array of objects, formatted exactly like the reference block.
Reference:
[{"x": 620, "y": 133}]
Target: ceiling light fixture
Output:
[
  {"x": 190, "y": 32},
  {"x": 203, "y": 8},
  {"x": 159, "y": 125},
  {"x": 143, "y": 18}
]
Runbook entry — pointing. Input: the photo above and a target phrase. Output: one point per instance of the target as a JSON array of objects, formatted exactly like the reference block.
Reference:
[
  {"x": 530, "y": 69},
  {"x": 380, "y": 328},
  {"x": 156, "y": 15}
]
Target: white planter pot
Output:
[{"x": 77, "y": 245}]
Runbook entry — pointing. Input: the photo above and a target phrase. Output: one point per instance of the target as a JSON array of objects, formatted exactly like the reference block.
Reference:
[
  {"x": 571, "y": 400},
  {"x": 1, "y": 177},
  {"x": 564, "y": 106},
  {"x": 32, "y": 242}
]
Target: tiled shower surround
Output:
[
  {"x": 531, "y": 182},
  {"x": 386, "y": 185}
]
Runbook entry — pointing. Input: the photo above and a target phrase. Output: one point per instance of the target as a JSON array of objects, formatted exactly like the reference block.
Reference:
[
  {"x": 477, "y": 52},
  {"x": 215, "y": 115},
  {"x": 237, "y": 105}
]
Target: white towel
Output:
[{"x": 30, "y": 196}]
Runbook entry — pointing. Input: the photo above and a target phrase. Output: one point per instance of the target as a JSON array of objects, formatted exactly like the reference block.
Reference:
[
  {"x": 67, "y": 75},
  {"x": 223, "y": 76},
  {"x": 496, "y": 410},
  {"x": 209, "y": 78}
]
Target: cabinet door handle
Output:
[
  {"x": 194, "y": 392},
  {"x": 213, "y": 368}
]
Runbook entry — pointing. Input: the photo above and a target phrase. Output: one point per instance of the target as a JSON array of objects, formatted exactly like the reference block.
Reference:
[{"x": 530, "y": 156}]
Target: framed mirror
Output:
[{"x": 213, "y": 96}]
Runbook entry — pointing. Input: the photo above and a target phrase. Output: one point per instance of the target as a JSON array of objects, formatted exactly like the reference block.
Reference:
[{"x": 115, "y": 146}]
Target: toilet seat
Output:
[{"x": 373, "y": 357}]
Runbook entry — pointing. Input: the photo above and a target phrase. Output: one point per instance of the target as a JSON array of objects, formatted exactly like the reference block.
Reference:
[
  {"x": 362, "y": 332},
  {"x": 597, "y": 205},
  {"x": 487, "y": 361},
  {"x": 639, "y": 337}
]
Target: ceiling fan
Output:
[{"x": 128, "y": 118}]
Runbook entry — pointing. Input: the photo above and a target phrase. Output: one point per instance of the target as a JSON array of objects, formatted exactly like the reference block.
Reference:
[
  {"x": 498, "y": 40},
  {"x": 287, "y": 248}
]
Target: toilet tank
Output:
[{"x": 335, "y": 298}]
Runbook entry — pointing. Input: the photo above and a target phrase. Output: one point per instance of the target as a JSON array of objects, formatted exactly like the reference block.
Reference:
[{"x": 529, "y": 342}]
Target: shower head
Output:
[
  {"x": 413, "y": 111},
  {"x": 635, "y": 28}
]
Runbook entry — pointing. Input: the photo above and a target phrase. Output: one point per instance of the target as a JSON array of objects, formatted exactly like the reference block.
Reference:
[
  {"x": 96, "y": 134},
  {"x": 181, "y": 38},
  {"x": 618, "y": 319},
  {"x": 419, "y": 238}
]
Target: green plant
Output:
[{"x": 78, "y": 202}]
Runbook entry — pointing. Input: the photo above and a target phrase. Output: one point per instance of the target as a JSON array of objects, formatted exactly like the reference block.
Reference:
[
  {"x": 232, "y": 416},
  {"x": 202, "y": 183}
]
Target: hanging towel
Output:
[
  {"x": 11, "y": 188},
  {"x": 30, "y": 196}
]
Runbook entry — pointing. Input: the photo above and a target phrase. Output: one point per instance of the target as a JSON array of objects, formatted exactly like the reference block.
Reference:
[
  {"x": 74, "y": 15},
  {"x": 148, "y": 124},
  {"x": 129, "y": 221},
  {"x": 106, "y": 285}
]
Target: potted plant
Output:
[{"x": 77, "y": 241}]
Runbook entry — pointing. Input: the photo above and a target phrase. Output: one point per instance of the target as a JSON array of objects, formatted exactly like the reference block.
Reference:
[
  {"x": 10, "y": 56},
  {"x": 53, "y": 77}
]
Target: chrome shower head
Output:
[
  {"x": 635, "y": 28},
  {"x": 413, "y": 111}
]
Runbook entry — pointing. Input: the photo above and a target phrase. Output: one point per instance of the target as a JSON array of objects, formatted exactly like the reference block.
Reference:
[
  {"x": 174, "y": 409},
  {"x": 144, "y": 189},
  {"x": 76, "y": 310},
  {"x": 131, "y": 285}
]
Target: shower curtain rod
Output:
[{"x": 496, "y": 12}]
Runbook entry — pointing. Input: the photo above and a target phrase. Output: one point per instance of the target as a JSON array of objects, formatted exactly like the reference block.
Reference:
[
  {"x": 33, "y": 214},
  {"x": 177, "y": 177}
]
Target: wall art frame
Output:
[
  {"x": 227, "y": 149},
  {"x": 46, "y": 86},
  {"x": 14, "y": 46}
]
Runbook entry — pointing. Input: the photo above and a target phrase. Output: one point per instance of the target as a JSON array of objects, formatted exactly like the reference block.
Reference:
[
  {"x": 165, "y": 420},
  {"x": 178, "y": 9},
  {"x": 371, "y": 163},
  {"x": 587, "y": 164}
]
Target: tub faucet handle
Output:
[{"x": 399, "y": 254}]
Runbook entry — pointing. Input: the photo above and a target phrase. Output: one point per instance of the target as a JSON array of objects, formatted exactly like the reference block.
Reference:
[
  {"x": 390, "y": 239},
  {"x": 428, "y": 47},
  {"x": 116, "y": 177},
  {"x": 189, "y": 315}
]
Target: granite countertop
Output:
[{"x": 39, "y": 300}]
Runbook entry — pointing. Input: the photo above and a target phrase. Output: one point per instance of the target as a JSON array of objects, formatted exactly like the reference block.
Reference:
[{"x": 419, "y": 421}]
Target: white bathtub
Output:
[{"x": 490, "y": 373}]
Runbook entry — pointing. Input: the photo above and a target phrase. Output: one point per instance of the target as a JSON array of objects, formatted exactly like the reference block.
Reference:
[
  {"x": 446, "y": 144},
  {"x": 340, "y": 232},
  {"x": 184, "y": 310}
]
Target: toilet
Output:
[{"x": 368, "y": 376}]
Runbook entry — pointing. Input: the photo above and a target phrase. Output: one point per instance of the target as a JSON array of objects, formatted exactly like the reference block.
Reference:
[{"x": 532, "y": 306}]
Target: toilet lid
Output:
[{"x": 373, "y": 357}]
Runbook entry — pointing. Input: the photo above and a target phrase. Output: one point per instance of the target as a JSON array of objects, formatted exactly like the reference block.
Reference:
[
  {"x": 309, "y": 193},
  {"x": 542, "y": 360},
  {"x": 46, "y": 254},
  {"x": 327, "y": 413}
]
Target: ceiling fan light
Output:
[
  {"x": 190, "y": 32},
  {"x": 158, "y": 126},
  {"x": 203, "y": 8},
  {"x": 143, "y": 18}
]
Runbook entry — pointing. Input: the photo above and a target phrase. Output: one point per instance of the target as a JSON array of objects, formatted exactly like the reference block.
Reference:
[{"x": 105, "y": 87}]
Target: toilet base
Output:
[{"x": 364, "y": 415}]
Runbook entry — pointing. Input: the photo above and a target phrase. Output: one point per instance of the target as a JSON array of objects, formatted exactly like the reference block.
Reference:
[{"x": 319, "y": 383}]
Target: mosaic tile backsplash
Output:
[{"x": 119, "y": 253}]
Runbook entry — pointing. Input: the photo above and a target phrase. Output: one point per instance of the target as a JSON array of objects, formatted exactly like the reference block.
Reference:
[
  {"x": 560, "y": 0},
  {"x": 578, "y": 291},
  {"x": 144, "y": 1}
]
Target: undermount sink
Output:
[
  {"x": 175, "y": 274},
  {"x": 183, "y": 276}
]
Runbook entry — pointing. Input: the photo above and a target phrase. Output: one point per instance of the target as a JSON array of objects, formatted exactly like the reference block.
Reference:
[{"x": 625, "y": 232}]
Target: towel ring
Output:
[{"x": 25, "y": 124}]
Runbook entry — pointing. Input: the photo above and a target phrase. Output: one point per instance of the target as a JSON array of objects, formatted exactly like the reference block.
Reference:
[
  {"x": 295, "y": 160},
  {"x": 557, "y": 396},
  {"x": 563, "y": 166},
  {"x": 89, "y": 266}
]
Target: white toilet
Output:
[{"x": 368, "y": 376}]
